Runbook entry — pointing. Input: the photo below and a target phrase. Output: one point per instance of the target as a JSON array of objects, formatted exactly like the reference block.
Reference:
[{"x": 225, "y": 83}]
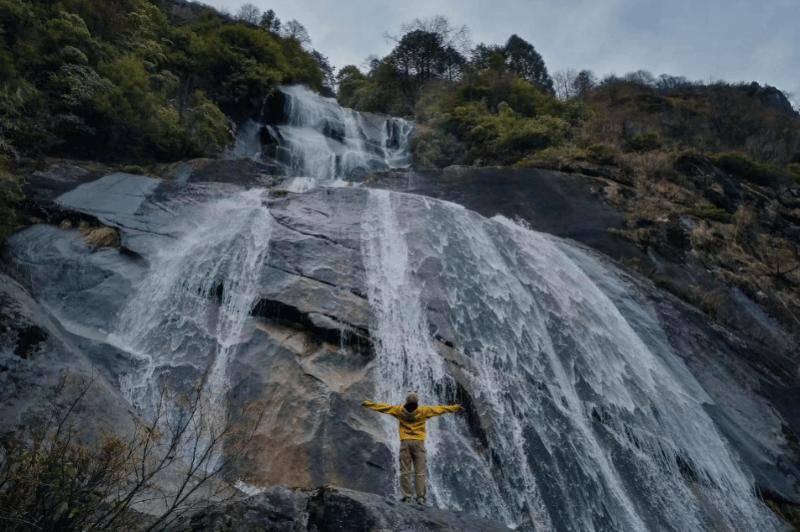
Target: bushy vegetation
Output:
[
  {"x": 640, "y": 112},
  {"x": 54, "y": 477},
  {"x": 741, "y": 166},
  {"x": 486, "y": 105},
  {"x": 10, "y": 197},
  {"x": 122, "y": 81},
  {"x": 498, "y": 104}
]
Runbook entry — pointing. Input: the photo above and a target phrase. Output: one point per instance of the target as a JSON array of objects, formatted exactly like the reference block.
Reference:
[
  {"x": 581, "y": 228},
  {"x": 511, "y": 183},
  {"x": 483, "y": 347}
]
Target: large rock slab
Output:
[
  {"x": 38, "y": 356},
  {"x": 307, "y": 352}
]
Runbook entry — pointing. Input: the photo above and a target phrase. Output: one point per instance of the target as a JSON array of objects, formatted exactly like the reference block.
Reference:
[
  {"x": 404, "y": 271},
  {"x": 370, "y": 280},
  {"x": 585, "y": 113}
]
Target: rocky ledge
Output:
[{"x": 329, "y": 509}]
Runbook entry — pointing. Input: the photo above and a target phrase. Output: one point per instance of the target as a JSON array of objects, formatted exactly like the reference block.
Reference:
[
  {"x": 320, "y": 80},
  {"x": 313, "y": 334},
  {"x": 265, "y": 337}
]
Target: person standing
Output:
[{"x": 411, "y": 425}]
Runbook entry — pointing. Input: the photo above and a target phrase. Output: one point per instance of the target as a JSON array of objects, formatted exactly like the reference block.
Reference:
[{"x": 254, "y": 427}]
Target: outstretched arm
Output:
[
  {"x": 432, "y": 411},
  {"x": 383, "y": 408}
]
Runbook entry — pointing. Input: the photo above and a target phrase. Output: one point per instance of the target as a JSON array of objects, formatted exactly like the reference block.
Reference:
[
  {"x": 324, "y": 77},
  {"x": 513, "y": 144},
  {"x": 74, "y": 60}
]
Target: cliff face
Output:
[{"x": 340, "y": 293}]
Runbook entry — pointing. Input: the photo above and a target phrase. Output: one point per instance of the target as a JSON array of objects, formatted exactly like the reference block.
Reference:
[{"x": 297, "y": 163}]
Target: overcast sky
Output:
[{"x": 734, "y": 40}]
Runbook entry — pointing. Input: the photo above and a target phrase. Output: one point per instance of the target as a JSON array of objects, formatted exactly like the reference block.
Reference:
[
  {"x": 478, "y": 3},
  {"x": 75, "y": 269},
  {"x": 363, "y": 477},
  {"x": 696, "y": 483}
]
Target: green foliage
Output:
[
  {"x": 794, "y": 169},
  {"x": 565, "y": 157},
  {"x": 494, "y": 118},
  {"x": 117, "y": 80},
  {"x": 741, "y": 166},
  {"x": 10, "y": 198},
  {"x": 642, "y": 142},
  {"x": 436, "y": 148},
  {"x": 602, "y": 154},
  {"x": 710, "y": 212}
]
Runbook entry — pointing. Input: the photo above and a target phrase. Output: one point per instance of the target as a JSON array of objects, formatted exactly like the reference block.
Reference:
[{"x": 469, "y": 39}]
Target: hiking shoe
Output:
[
  {"x": 421, "y": 501},
  {"x": 408, "y": 500}
]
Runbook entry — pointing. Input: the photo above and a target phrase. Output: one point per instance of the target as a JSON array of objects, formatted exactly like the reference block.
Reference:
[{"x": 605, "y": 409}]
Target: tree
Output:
[
  {"x": 523, "y": 59},
  {"x": 666, "y": 82},
  {"x": 270, "y": 22},
  {"x": 455, "y": 37},
  {"x": 329, "y": 79},
  {"x": 564, "y": 84},
  {"x": 451, "y": 64},
  {"x": 488, "y": 57},
  {"x": 249, "y": 13},
  {"x": 294, "y": 30},
  {"x": 51, "y": 480},
  {"x": 583, "y": 83},
  {"x": 418, "y": 54},
  {"x": 641, "y": 77}
]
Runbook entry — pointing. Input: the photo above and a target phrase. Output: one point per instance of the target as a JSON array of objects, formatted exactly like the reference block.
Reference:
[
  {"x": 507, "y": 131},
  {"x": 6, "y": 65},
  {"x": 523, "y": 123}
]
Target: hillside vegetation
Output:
[
  {"x": 133, "y": 81},
  {"x": 121, "y": 80}
]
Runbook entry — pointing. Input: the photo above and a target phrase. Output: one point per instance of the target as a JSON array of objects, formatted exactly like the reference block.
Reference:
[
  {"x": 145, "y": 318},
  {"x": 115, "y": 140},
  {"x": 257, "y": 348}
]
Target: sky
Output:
[{"x": 732, "y": 40}]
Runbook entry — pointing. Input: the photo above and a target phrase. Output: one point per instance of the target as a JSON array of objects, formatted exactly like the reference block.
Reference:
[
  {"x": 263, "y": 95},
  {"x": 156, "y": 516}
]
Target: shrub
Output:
[
  {"x": 436, "y": 148},
  {"x": 644, "y": 142},
  {"x": 209, "y": 130},
  {"x": 710, "y": 212},
  {"x": 794, "y": 169},
  {"x": 50, "y": 479},
  {"x": 553, "y": 158},
  {"x": 10, "y": 198},
  {"x": 102, "y": 237},
  {"x": 602, "y": 154},
  {"x": 741, "y": 166}
]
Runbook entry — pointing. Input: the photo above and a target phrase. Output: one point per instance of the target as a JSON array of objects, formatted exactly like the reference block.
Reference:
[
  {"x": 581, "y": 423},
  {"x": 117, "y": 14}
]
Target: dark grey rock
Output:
[
  {"x": 331, "y": 509},
  {"x": 37, "y": 355},
  {"x": 303, "y": 354},
  {"x": 565, "y": 205},
  {"x": 243, "y": 172}
]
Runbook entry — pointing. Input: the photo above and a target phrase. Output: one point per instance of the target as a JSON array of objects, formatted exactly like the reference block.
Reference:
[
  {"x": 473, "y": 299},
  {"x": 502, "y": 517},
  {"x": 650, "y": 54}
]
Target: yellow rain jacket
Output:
[{"x": 412, "y": 424}]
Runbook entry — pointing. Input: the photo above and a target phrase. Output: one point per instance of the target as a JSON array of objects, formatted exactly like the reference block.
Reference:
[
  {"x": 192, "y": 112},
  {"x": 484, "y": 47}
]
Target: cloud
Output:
[{"x": 735, "y": 40}]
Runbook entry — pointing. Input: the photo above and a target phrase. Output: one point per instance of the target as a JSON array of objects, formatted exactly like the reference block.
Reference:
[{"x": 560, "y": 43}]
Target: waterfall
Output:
[
  {"x": 581, "y": 415},
  {"x": 592, "y": 421},
  {"x": 321, "y": 140},
  {"x": 406, "y": 358},
  {"x": 188, "y": 314}
]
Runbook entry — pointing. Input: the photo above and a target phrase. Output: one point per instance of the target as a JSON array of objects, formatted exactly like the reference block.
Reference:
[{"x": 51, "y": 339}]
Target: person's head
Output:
[{"x": 412, "y": 400}]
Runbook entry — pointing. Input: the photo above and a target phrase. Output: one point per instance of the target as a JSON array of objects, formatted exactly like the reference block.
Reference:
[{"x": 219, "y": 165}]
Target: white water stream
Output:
[
  {"x": 195, "y": 301},
  {"x": 323, "y": 141},
  {"x": 584, "y": 417},
  {"x": 592, "y": 423}
]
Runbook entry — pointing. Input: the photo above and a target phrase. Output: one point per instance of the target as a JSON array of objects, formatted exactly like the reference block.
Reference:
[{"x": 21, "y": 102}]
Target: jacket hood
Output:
[{"x": 409, "y": 411}]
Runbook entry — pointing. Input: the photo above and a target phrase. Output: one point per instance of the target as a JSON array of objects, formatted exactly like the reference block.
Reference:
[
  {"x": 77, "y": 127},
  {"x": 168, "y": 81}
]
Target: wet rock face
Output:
[
  {"x": 37, "y": 353},
  {"x": 576, "y": 206},
  {"x": 309, "y": 352}
]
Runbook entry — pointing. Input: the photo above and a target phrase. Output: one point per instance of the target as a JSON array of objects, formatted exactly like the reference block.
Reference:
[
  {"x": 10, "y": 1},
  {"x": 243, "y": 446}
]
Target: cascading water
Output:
[
  {"x": 321, "y": 140},
  {"x": 582, "y": 416},
  {"x": 194, "y": 303},
  {"x": 406, "y": 358},
  {"x": 592, "y": 422}
]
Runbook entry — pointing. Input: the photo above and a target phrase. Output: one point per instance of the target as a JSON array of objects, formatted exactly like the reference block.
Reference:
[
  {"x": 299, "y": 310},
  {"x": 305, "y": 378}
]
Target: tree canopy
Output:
[{"x": 122, "y": 81}]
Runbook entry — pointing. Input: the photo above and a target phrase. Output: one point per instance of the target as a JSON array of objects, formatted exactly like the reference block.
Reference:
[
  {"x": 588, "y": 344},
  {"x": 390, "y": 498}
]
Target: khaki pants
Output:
[{"x": 413, "y": 461}]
